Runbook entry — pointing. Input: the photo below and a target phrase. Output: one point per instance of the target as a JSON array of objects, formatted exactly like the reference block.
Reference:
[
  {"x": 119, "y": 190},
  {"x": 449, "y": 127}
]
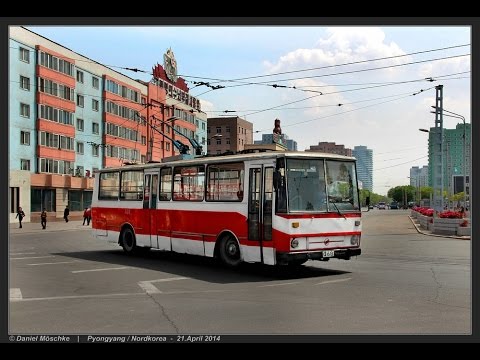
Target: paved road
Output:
[{"x": 64, "y": 281}]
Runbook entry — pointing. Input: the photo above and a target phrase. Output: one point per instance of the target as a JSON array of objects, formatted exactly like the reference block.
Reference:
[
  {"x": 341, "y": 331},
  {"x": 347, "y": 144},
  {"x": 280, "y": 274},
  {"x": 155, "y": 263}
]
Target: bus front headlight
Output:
[
  {"x": 355, "y": 240},
  {"x": 294, "y": 243}
]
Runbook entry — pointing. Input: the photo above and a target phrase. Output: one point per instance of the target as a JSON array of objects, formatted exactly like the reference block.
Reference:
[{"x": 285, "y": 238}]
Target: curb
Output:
[{"x": 437, "y": 235}]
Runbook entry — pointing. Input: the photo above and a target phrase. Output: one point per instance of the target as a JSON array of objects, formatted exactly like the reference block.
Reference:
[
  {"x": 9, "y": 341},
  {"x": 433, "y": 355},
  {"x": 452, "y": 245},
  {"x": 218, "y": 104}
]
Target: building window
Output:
[
  {"x": 228, "y": 141},
  {"x": 79, "y": 147},
  {"x": 143, "y": 159},
  {"x": 167, "y": 146},
  {"x": 80, "y": 100},
  {"x": 24, "y": 164},
  {"x": 24, "y": 137},
  {"x": 144, "y": 140},
  {"x": 203, "y": 141},
  {"x": 95, "y": 82},
  {"x": 14, "y": 199},
  {"x": 95, "y": 150},
  {"x": 80, "y": 76},
  {"x": 203, "y": 126},
  {"x": 219, "y": 141},
  {"x": 219, "y": 129},
  {"x": 24, "y": 110},
  {"x": 25, "y": 55},
  {"x": 80, "y": 123},
  {"x": 24, "y": 83},
  {"x": 95, "y": 128},
  {"x": 208, "y": 141},
  {"x": 95, "y": 105},
  {"x": 55, "y": 63}
]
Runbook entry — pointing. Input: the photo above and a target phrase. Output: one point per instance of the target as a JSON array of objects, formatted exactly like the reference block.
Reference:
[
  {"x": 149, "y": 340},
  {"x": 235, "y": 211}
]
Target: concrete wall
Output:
[
  {"x": 17, "y": 96},
  {"x": 20, "y": 179},
  {"x": 89, "y": 116}
]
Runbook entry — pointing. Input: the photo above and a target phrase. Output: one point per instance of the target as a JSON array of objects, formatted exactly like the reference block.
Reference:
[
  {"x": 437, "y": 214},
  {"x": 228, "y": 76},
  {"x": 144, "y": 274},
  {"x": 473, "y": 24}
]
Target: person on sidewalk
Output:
[
  {"x": 20, "y": 215},
  {"x": 89, "y": 216},
  {"x": 85, "y": 217},
  {"x": 66, "y": 212},
  {"x": 43, "y": 218}
]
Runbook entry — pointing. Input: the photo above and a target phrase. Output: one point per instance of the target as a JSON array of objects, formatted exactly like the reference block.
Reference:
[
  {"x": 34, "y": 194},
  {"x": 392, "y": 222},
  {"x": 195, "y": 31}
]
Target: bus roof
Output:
[{"x": 232, "y": 158}]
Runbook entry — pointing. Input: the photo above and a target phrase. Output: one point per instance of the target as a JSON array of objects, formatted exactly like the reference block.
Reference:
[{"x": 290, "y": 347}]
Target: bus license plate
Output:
[{"x": 328, "y": 253}]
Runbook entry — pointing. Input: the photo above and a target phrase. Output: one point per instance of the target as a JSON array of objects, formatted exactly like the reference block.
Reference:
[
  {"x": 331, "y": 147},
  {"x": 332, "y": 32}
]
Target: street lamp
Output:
[{"x": 458, "y": 116}]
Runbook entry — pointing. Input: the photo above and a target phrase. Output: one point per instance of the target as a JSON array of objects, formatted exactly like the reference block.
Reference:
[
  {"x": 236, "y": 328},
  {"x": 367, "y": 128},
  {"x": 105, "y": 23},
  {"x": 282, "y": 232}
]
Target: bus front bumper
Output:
[{"x": 285, "y": 258}]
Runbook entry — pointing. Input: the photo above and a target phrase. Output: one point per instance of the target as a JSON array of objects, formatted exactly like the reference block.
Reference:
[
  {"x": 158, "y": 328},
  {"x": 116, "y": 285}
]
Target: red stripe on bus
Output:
[
  {"x": 194, "y": 225},
  {"x": 318, "y": 216}
]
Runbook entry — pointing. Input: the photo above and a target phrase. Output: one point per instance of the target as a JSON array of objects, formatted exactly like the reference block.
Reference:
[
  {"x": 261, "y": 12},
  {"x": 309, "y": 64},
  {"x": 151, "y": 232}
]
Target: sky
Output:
[{"x": 378, "y": 108}]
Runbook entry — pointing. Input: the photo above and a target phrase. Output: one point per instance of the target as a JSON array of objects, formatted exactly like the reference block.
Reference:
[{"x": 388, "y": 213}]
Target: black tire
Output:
[
  {"x": 128, "y": 242},
  {"x": 229, "y": 251}
]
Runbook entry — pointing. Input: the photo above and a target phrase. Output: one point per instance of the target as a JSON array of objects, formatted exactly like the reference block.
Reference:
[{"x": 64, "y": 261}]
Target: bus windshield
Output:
[{"x": 316, "y": 185}]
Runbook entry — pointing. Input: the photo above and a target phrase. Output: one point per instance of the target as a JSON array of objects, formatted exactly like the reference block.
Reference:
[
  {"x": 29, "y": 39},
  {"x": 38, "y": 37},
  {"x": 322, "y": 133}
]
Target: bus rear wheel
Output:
[
  {"x": 230, "y": 251},
  {"x": 128, "y": 241}
]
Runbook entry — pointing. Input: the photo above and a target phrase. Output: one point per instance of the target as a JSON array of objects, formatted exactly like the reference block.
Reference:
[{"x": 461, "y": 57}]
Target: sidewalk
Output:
[
  {"x": 34, "y": 227},
  {"x": 429, "y": 233}
]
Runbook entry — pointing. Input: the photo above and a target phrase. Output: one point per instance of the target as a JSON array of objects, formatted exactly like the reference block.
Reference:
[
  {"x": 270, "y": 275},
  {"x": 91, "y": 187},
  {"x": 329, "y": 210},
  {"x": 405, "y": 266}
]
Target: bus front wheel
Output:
[
  {"x": 230, "y": 251},
  {"x": 128, "y": 241}
]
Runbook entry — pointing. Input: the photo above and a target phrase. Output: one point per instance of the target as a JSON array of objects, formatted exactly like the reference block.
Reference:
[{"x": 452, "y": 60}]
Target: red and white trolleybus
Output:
[{"x": 269, "y": 207}]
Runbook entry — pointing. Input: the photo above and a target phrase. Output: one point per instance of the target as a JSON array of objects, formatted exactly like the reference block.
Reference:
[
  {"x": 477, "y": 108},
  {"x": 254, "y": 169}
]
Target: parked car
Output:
[
  {"x": 381, "y": 205},
  {"x": 394, "y": 205}
]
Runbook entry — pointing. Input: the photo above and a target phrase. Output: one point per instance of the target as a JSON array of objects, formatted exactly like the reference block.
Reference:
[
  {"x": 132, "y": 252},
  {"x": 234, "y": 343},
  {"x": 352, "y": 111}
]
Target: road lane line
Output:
[
  {"x": 28, "y": 253},
  {"x": 15, "y": 294},
  {"x": 332, "y": 281},
  {"x": 32, "y": 257},
  {"x": 103, "y": 269},
  {"x": 282, "y": 284},
  {"x": 55, "y": 263},
  {"x": 149, "y": 288},
  {"x": 78, "y": 297}
]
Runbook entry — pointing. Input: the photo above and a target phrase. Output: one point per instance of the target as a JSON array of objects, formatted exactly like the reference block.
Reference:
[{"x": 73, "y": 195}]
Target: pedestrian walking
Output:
[
  {"x": 89, "y": 216},
  {"x": 20, "y": 216},
  {"x": 66, "y": 212},
  {"x": 85, "y": 217},
  {"x": 43, "y": 218}
]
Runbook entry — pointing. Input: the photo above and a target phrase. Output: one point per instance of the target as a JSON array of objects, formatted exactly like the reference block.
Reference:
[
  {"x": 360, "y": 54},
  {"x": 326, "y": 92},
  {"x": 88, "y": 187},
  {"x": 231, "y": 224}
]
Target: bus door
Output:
[
  {"x": 260, "y": 207},
  {"x": 150, "y": 191}
]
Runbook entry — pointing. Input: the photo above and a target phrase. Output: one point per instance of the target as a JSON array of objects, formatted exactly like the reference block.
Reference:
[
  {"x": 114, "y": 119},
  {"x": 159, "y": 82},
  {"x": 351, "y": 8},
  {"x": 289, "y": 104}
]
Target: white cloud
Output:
[
  {"x": 207, "y": 106},
  {"x": 445, "y": 67},
  {"x": 342, "y": 45}
]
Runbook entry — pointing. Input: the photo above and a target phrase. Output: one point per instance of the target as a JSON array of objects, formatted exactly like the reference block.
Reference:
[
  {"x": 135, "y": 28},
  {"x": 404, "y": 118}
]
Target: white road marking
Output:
[
  {"x": 32, "y": 257},
  {"x": 282, "y": 284},
  {"x": 149, "y": 288},
  {"x": 77, "y": 297},
  {"x": 332, "y": 281},
  {"x": 15, "y": 294},
  {"x": 28, "y": 253},
  {"x": 104, "y": 269},
  {"x": 54, "y": 263}
]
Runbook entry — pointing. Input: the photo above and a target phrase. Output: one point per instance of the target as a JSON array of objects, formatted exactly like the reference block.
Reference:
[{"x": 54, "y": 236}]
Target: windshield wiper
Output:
[{"x": 338, "y": 210}]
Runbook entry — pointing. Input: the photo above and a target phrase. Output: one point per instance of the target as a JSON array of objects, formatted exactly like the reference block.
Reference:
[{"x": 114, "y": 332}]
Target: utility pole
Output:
[{"x": 437, "y": 151}]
